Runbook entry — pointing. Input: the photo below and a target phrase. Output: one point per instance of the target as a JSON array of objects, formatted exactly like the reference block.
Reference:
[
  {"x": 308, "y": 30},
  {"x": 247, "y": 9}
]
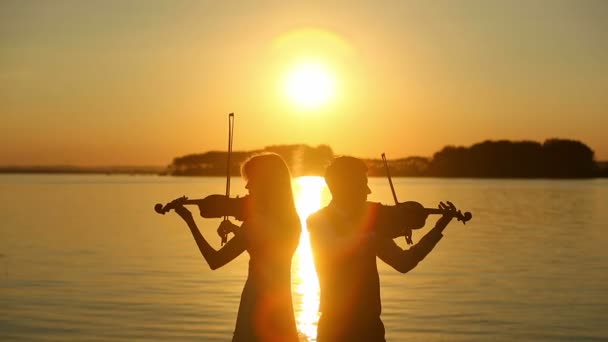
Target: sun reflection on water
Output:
[{"x": 310, "y": 194}]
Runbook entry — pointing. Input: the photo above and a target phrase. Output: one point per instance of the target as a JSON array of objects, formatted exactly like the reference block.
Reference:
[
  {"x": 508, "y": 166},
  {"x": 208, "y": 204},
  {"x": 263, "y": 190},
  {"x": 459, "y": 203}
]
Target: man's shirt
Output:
[{"x": 345, "y": 246}]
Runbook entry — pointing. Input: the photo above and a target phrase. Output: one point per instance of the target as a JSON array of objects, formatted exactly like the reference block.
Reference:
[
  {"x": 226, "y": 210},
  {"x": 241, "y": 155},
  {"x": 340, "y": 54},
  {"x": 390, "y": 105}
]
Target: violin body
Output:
[
  {"x": 216, "y": 206},
  {"x": 415, "y": 214},
  {"x": 397, "y": 220}
]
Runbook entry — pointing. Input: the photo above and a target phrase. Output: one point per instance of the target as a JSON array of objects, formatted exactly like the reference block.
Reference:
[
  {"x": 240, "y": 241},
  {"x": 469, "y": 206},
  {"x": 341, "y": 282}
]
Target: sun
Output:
[{"x": 309, "y": 85}]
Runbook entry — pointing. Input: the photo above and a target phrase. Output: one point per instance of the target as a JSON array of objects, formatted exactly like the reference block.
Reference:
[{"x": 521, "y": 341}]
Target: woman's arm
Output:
[{"x": 215, "y": 259}]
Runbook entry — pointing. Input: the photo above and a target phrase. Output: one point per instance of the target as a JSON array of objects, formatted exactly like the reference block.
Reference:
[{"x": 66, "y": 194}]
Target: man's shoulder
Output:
[
  {"x": 317, "y": 218},
  {"x": 374, "y": 205},
  {"x": 327, "y": 212}
]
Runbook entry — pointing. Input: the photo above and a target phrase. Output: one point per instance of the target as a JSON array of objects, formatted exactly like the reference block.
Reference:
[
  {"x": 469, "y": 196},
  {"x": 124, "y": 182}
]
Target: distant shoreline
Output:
[
  {"x": 161, "y": 171},
  {"x": 128, "y": 170}
]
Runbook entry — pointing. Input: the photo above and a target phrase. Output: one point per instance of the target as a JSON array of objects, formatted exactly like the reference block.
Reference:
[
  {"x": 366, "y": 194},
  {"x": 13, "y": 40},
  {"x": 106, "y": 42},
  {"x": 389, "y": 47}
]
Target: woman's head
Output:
[{"x": 268, "y": 181}]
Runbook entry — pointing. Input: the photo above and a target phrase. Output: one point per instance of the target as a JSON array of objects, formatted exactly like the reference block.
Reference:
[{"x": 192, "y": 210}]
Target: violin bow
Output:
[
  {"x": 408, "y": 233},
  {"x": 230, "y": 136},
  {"x": 390, "y": 180}
]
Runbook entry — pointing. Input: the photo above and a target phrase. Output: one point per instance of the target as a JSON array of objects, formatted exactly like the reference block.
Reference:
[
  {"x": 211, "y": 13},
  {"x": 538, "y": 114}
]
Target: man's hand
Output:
[{"x": 449, "y": 212}]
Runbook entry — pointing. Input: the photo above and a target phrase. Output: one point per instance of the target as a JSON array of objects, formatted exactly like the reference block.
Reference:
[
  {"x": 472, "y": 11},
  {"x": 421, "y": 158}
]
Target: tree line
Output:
[
  {"x": 554, "y": 158},
  {"x": 301, "y": 159}
]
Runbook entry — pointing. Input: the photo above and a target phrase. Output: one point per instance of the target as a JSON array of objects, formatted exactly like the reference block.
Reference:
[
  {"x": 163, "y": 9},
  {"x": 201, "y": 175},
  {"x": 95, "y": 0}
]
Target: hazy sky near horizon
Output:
[{"x": 141, "y": 82}]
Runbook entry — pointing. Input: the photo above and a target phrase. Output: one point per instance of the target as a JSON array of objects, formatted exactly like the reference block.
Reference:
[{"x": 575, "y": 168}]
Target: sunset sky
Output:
[{"x": 141, "y": 82}]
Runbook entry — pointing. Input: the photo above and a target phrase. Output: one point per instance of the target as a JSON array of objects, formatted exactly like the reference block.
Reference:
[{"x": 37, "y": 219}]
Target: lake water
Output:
[{"x": 85, "y": 258}]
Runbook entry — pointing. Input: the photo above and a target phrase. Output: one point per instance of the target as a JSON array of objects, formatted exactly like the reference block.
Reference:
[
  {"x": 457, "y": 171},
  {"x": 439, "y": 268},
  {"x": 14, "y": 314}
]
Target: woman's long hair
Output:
[{"x": 273, "y": 180}]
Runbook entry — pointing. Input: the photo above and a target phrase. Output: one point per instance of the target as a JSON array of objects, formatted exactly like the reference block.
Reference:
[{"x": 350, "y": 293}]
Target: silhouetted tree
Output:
[
  {"x": 403, "y": 167},
  {"x": 211, "y": 163},
  {"x": 301, "y": 159},
  {"x": 568, "y": 159},
  {"x": 555, "y": 158}
]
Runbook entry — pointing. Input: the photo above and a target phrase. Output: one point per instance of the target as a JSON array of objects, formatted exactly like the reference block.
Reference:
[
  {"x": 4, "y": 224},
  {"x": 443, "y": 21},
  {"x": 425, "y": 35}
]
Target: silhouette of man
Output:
[{"x": 346, "y": 237}]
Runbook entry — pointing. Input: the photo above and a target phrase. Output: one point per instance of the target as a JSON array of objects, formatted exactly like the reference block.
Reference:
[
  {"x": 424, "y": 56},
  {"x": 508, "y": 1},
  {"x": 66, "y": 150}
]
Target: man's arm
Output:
[{"x": 405, "y": 260}]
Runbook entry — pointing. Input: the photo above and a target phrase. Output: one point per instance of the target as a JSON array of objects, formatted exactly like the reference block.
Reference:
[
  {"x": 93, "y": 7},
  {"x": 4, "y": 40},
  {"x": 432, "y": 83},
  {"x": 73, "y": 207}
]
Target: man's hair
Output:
[{"x": 341, "y": 169}]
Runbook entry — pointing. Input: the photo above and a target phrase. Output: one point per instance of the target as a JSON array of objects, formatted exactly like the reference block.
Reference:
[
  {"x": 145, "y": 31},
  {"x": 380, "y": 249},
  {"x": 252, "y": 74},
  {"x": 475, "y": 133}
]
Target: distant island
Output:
[{"x": 554, "y": 158}]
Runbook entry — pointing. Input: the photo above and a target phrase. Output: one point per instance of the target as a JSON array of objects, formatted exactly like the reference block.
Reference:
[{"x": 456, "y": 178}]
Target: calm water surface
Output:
[{"x": 85, "y": 258}]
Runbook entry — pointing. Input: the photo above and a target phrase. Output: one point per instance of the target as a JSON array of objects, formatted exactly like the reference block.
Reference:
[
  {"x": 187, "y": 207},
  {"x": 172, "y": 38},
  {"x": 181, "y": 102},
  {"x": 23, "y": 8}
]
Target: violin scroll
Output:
[
  {"x": 464, "y": 217},
  {"x": 449, "y": 208},
  {"x": 162, "y": 209}
]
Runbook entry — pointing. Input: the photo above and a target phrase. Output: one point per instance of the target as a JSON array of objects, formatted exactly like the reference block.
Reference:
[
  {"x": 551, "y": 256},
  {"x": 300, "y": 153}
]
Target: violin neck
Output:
[
  {"x": 193, "y": 202},
  {"x": 432, "y": 211},
  {"x": 461, "y": 217}
]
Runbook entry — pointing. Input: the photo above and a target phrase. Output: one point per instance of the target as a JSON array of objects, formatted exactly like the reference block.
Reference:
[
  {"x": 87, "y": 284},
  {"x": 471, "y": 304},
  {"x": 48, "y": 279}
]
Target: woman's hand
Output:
[
  {"x": 227, "y": 227},
  {"x": 183, "y": 212}
]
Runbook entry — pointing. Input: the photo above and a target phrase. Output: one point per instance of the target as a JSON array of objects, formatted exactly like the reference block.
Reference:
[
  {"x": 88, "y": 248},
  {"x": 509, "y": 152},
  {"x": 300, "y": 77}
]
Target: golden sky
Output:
[{"x": 140, "y": 82}]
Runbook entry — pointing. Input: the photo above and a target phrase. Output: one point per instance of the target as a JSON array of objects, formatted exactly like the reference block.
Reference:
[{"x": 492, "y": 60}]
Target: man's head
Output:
[{"x": 346, "y": 178}]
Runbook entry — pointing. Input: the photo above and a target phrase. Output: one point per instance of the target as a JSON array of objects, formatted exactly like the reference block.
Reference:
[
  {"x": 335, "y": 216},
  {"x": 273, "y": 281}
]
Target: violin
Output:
[
  {"x": 212, "y": 206},
  {"x": 417, "y": 213},
  {"x": 412, "y": 216}
]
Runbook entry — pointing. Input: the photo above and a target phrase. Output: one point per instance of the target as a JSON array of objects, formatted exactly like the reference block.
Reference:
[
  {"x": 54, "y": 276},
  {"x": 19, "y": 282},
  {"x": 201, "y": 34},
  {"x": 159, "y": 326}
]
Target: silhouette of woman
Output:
[{"x": 270, "y": 233}]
